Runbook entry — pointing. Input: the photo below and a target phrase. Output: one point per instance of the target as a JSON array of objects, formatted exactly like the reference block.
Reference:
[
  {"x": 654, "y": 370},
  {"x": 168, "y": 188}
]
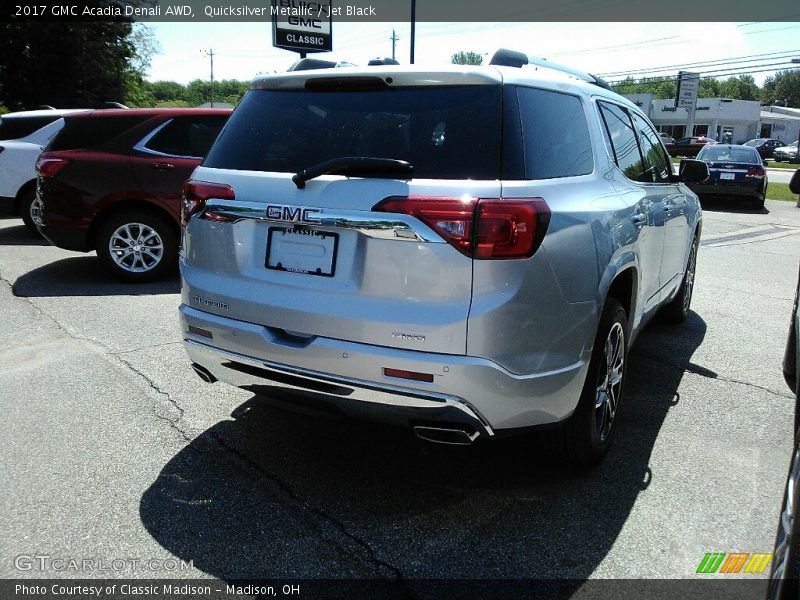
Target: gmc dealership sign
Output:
[{"x": 302, "y": 26}]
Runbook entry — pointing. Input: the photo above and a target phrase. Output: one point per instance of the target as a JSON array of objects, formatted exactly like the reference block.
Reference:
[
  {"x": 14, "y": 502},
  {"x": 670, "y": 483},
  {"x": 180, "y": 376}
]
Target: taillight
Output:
[
  {"x": 757, "y": 172},
  {"x": 48, "y": 167},
  {"x": 482, "y": 228},
  {"x": 196, "y": 193}
]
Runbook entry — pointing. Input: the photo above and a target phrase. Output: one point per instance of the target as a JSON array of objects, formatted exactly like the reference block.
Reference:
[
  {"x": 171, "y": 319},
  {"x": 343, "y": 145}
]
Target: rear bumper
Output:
[
  {"x": 69, "y": 238},
  {"x": 470, "y": 391},
  {"x": 745, "y": 190}
]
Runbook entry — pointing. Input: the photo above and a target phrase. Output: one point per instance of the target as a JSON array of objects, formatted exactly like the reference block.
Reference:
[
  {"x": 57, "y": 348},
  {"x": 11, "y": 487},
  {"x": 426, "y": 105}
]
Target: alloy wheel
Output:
[
  {"x": 136, "y": 247},
  {"x": 690, "y": 266},
  {"x": 609, "y": 388}
]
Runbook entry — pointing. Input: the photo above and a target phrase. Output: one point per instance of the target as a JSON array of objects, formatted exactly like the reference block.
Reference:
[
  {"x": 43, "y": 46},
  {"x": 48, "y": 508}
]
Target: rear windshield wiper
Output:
[{"x": 359, "y": 166}]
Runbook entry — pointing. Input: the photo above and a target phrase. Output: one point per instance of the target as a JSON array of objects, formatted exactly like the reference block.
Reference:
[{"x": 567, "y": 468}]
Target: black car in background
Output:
[
  {"x": 733, "y": 171},
  {"x": 786, "y": 565},
  {"x": 765, "y": 146}
]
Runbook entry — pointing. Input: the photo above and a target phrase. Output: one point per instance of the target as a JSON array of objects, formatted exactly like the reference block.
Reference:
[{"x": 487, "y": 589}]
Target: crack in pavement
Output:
[
  {"x": 306, "y": 505},
  {"x": 708, "y": 373},
  {"x": 114, "y": 356},
  {"x": 172, "y": 422}
]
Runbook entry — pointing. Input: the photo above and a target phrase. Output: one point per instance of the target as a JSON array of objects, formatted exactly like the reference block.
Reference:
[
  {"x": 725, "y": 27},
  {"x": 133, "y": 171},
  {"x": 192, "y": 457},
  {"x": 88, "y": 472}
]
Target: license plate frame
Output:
[{"x": 315, "y": 251}]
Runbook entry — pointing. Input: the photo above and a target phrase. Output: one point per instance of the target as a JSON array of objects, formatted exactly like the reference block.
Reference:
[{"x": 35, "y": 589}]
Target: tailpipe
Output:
[
  {"x": 445, "y": 435},
  {"x": 204, "y": 373}
]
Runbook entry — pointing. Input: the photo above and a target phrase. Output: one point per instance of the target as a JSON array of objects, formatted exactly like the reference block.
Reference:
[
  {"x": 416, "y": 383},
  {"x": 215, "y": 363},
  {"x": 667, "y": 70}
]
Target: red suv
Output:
[{"x": 111, "y": 181}]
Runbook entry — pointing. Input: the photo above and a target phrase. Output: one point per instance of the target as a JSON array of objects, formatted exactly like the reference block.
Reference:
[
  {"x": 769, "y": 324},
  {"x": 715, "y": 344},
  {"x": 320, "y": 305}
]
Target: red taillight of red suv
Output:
[
  {"x": 757, "y": 172},
  {"x": 482, "y": 228},
  {"x": 48, "y": 166},
  {"x": 196, "y": 193}
]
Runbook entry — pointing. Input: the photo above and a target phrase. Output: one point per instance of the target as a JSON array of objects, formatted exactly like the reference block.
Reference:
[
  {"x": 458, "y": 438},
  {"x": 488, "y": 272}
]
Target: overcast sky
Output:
[{"x": 242, "y": 50}]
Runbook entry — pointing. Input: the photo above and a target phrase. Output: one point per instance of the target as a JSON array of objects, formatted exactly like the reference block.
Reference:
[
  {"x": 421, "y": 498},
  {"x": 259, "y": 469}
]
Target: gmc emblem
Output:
[{"x": 292, "y": 214}]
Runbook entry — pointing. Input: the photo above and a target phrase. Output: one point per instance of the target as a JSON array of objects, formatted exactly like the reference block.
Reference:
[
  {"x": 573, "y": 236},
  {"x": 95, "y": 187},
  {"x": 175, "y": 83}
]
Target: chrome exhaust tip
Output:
[
  {"x": 445, "y": 435},
  {"x": 204, "y": 373}
]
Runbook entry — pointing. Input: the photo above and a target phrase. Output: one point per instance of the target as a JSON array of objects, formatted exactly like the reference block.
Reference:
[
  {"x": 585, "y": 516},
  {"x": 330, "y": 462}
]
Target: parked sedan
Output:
[
  {"x": 765, "y": 146},
  {"x": 689, "y": 146},
  {"x": 111, "y": 181},
  {"x": 786, "y": 566},
  {"x": 786, "y": 153},
  {"x": 736, "y": 171}
]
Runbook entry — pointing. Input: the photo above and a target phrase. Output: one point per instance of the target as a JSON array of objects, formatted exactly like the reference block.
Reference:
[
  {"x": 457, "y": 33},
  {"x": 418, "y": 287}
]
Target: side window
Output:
[
  {"x": 655, "y": 160},
  {"x": 187, "y": 136},
  {"x": 555, "y": 134},
  {"x": 622, "y": 139}
]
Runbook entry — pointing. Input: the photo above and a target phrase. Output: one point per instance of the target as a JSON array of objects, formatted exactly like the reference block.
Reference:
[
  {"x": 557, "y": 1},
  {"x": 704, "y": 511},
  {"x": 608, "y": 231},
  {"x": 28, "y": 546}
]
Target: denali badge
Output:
[
  {"x": 412, "y": 337},
  {"x": 292, "y": 214},
  {"x": 211, "y": 303}
]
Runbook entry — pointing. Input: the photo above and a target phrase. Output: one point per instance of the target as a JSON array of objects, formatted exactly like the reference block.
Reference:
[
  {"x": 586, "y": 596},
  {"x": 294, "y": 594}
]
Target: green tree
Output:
[
  {"x": 168, "y": 91},
  {"x": 466, "y": 58},
  {"x": 709, "y": 88},
  {"x": 742, "y": 87},
  {"x": 63, "y": 64},
  {"x": 781, "y": 89}
]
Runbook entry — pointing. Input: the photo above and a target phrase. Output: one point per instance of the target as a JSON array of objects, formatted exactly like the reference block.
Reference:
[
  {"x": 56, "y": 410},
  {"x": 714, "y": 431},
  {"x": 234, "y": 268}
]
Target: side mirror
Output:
[
  {"x": 692, "y": 171},
  {"x": 794, "y": 183}
]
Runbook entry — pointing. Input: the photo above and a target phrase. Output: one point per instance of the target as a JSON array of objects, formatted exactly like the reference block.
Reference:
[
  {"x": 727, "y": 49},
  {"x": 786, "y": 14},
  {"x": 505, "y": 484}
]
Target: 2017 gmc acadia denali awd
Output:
[{"x": 469, "y": 251}]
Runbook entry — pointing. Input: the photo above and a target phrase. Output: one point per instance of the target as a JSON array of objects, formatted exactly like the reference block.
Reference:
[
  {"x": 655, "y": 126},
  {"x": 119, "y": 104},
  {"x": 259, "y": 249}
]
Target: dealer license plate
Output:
[{"x": 306, "y": 251}]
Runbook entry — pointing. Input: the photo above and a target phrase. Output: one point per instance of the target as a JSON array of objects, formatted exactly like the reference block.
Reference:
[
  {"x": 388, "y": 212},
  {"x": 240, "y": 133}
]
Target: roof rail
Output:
[
  {"x": 375, "y": 62},
  {"x": 512, "y": 58},
  {"x": 305, "y": 64}
]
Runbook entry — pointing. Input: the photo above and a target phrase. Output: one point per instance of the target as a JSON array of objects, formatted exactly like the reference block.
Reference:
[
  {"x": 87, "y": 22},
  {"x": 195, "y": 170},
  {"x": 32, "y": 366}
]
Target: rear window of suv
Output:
[
  {"x": 14, "y": 128},
  {"x": 86, "y": 132},
  {"x": 451, "y": 132}
]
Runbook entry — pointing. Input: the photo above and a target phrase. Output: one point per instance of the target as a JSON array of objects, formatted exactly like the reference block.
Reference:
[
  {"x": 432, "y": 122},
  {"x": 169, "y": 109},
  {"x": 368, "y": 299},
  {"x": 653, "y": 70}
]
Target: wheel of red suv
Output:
[
  {"x": 677, "y": 310},
  {"x": 585, "y": 438},
  {"x": 137, "y": 246},
  {"x": 30, "y": 210}
]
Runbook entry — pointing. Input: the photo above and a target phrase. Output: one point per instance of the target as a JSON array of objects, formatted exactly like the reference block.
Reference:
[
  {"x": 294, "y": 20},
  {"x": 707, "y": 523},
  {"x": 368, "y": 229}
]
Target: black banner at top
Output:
[{"x": 398, "y": 11}]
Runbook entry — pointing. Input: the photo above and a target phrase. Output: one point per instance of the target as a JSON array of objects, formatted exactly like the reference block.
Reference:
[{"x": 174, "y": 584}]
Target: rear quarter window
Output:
[
  {"x": 555, "y": 134},
  {"x": 450, "y": 132}
]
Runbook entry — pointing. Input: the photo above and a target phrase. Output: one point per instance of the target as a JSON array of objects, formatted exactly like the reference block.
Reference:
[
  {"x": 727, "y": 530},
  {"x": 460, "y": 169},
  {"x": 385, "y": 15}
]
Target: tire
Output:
[
  {"x": 758, "y": 203},
  {"x": 584, "y": 439},
  {"x": 137, "y": 245},
  {"x": 677, "y": 310},
  {"x": 29, "y": 210}
]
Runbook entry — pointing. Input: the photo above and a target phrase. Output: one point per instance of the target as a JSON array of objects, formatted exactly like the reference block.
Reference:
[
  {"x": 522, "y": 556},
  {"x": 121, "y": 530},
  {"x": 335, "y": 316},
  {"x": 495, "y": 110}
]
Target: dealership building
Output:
[{"x": 724, "y": 119}]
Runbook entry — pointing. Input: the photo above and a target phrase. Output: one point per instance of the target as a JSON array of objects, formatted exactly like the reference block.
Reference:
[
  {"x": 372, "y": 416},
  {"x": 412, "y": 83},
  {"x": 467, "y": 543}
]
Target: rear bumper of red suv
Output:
[{"x": 69, "y": 238}]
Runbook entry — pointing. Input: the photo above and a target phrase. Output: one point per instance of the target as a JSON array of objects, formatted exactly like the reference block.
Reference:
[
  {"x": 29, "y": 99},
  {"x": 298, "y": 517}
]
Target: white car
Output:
[{"x": 23, "y": 135}]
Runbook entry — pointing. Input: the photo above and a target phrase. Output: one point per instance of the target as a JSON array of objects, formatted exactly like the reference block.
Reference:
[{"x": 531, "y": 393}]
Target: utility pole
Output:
[
  {"x": 394, "y": 39},
  {"x": 210, "y": 53},
  {"x": 413, "y": 28}
]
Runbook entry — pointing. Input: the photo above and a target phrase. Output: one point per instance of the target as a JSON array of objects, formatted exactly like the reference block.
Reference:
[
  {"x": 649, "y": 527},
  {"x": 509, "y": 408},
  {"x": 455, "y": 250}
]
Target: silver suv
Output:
[{"x": 468, "y": 251}]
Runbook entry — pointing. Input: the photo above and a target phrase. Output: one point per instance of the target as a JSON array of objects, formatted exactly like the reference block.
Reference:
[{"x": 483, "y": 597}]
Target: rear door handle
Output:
[
  {"x": 162, "y": 166},
  {"x": 639, "y": 219}
]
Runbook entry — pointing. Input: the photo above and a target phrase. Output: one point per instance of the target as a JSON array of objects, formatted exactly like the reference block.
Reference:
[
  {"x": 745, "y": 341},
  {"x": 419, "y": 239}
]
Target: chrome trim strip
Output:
[
  {"x": 363, "y": 391},
  {"x": 388, "y": 226}
]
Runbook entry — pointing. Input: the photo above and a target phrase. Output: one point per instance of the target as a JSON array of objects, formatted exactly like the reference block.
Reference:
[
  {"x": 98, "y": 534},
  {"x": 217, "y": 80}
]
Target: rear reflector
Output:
[
  {"x": 195, "y": 195},
  {"x": 201, "y": 332},
  {"x": 400, "y": 374},
  {"x": 481, "y": 228},
  {"x": 48, "y": 167}
]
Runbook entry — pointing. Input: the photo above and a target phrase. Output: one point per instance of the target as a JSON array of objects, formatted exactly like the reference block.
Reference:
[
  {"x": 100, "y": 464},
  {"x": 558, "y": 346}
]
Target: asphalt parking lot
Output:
[{"x": 114, "y": 448}]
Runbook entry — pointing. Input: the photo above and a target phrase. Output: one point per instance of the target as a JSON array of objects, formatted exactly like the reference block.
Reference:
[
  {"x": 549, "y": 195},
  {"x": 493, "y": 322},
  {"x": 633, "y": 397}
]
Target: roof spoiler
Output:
[{"x": 512, "y": 58}]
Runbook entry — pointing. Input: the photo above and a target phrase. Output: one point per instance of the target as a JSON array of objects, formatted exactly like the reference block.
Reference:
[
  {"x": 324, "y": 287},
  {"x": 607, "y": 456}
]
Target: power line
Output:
[
  {"x": 707, "y": 63},
  {"x": 728, "y": 73}
]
